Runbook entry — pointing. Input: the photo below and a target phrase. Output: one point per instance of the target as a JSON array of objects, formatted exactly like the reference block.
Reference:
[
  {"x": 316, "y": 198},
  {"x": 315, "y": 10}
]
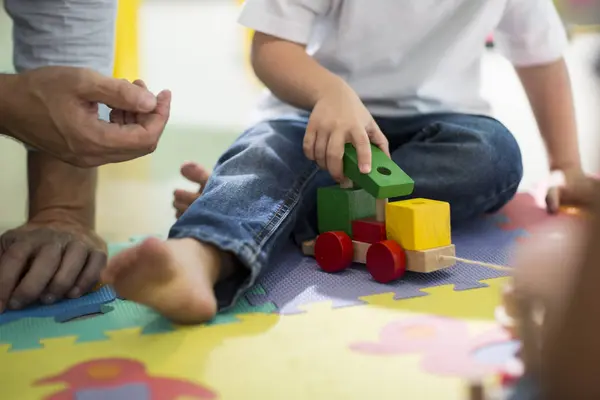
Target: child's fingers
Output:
[
  {"x": 308, "y": 144},
  {"x": 378, "y": 138},
  {"x": 185, "y": 197},
  {"x": 180, "y": 207},
  {"x": 321, "y": 149},
  {"x": 195, "y": 173},
  {"x": 553, "y": 200},
  {"x": 335, "y": 157},
  {"x": 361, "y": 142}
]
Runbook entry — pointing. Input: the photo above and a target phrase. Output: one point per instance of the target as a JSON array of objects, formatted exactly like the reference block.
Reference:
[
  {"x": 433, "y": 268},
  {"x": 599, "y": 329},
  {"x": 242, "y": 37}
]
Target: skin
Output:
[
  {"x": 548, "y": 89},
  {"x": 55, "y": 110},
  {"x": 182, "y": 199},
  {"x": 56, "y": 253}
]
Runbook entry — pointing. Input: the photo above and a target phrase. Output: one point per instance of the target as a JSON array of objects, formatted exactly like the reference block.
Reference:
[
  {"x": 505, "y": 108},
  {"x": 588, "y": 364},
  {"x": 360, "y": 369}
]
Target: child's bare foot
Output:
[
  {"x": 195, "y": 173},
  {"x": 175, "y": 277}
]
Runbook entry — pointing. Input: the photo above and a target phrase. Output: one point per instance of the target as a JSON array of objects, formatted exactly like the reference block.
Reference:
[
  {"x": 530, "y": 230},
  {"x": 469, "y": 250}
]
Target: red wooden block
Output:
[
  {"x": 386, "y": 261},
  {"x": 334, "y": 251},
  {"x": 368, "y": 230}
]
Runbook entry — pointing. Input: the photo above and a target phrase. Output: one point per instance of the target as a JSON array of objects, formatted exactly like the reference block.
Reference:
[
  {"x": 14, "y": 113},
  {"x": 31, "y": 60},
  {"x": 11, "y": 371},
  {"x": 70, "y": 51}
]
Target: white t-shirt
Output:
[{"x": 406, "y": 57}]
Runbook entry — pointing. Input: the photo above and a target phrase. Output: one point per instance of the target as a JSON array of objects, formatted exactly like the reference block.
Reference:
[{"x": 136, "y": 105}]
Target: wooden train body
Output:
[{"x": 358, "y": 223}]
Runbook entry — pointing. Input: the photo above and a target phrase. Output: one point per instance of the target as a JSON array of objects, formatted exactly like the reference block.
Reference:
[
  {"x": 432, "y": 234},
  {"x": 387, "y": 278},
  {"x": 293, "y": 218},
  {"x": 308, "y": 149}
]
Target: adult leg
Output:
[
  {"x": 472, "y": 162},
  {"x": 261, "y": 186},
  {"x": 64, "y": 255}
]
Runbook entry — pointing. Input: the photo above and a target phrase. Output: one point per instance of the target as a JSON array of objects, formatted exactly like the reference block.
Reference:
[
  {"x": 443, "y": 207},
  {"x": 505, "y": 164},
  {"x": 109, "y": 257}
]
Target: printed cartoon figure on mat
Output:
[
  {"x": 120, "y": 379},
  {"x": 446, "y": 346},
  {"x": 403, "y": 76}
]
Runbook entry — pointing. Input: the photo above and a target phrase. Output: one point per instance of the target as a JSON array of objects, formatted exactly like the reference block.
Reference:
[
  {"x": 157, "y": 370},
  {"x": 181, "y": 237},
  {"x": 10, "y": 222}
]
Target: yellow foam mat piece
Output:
[{"x": 311, "y": 355}]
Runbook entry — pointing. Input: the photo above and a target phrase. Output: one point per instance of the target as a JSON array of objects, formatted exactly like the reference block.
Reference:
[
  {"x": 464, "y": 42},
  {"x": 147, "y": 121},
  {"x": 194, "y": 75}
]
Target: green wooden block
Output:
[
  {"x": 386, "y": 178},
  {"x": 337, "y": 208}
]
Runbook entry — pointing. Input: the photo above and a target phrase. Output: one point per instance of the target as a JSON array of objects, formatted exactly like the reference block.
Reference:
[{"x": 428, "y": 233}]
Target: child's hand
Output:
[
  {"x": 339, "y": 118},
  {"x": 576, "y": 189},
  {"x": 182, "y": 199}
]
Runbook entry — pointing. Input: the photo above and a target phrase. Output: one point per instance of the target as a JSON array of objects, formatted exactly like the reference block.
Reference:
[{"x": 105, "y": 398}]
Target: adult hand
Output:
[
  {"x": 55, "y": 109},
  {"x": 574, "y": 188},
  {"x": 48, "y": 261}
]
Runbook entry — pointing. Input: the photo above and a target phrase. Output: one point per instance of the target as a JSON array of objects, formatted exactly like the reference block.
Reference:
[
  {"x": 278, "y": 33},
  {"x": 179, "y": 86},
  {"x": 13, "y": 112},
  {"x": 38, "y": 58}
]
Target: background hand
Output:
[
  {"x": 55, "y": 109},
  {"x": 576, "y": 190},
  {"x": 48, "y": 262}
]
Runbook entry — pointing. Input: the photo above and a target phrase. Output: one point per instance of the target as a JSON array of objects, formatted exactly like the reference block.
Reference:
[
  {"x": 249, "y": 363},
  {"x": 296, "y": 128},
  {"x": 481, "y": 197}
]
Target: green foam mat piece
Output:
[{"x": 27, "y": 333}]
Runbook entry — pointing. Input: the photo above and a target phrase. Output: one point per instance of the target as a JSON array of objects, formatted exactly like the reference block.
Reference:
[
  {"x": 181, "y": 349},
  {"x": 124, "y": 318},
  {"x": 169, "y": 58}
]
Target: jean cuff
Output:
[{"x": 229, "y": 290}]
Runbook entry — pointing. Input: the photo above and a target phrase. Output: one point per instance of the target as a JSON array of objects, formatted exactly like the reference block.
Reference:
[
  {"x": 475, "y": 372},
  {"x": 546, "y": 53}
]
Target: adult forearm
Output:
[
  {"x": 550, "y": 94},
  {"x": 8, "y": 86},
  {"x": 291, "y": 74},
  {"x": 59, "y": 192}
]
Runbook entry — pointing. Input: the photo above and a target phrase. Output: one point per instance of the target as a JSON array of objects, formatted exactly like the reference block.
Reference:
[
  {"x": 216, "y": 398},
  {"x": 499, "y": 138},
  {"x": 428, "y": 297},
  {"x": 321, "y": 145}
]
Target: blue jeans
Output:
[{"x": 263, "y": 189}]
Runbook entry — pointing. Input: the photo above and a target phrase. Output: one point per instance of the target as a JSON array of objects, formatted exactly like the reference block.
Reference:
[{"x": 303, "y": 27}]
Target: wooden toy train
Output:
[{"x": 358, "y": 224}]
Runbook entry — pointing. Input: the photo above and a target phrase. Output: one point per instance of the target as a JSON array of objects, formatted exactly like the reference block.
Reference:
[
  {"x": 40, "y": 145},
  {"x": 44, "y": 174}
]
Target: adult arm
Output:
[
  {"x": 56, "y": 109},
  {"x": 7, "y": 87}
]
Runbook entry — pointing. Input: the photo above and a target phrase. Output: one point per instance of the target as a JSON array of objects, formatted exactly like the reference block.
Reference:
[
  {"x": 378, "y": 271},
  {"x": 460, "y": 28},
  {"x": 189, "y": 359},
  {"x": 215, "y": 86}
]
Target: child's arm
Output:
[
  {"x": 338, "y": 116},
  {"x": 532, "y": 36},
  {"x": 548, "y": 88},
  {"x": 291, "y": 74}
]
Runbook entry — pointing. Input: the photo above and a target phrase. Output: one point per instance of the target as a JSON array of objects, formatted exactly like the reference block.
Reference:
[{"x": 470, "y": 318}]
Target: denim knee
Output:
[
  {"x": 501, "y": 173},
  {"x": 473, "y": 162}
]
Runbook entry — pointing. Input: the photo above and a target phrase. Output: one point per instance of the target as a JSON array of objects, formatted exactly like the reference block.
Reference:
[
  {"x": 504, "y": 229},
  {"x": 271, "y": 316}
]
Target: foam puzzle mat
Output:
[{"x": 298, "y": 334}]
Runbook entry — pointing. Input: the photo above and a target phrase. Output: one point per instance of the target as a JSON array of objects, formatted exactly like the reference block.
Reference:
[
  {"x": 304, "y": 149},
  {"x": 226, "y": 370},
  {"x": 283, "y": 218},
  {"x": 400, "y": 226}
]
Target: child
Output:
[{"x": 403, "y": 75}]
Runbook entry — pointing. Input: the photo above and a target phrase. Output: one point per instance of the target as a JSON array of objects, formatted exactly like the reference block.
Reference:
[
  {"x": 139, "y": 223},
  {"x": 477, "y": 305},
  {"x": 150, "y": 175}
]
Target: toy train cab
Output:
[{"x": 358, "y": 224}]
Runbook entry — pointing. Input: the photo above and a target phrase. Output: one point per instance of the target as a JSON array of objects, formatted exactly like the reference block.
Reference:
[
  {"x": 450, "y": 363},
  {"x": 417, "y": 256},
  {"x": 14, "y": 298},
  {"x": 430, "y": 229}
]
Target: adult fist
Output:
[{"x": 55, "y": 109}]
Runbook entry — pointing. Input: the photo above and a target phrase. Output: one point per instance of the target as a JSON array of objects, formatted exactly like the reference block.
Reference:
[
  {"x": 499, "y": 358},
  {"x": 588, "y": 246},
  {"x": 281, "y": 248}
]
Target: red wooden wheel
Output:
[
  {"x": 386, "y": 261},
  {"x": 334, "y": 251}
]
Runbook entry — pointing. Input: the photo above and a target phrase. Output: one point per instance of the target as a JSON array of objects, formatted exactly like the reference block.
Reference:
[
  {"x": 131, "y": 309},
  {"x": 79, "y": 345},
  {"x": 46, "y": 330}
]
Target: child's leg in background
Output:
[
  {"x": 258, "y": 190},
  {"x": 472, "y": 162}
]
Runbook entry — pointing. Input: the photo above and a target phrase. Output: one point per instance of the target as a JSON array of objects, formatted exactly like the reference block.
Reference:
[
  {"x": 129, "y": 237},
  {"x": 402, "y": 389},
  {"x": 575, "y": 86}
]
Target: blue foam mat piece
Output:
[
  {"x": 294, "y": 280},
  {"x": 62, "y": 309}
]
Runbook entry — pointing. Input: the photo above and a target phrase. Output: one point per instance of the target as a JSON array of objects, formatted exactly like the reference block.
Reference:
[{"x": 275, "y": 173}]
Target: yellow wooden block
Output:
[{"x": 418, "y": 224}]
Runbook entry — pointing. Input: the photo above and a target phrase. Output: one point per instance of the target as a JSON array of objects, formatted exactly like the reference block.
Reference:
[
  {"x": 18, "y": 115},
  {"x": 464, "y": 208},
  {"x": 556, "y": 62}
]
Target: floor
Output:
[
  {"x": 423, "y": 346},
  {"x": 213, "y": 97}
]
